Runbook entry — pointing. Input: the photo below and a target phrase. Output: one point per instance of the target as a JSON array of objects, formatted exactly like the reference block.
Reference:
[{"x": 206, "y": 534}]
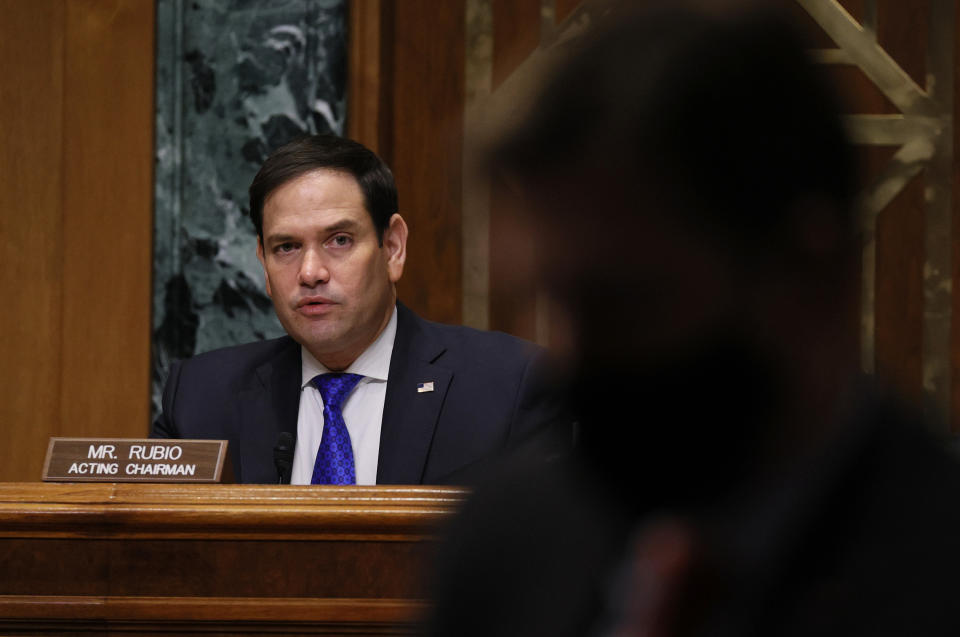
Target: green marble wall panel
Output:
[{"x": 235, "y": 79}]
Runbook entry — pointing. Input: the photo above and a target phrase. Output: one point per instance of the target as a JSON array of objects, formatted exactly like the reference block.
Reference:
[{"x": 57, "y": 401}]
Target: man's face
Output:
[{"x": 331, "y": 282}]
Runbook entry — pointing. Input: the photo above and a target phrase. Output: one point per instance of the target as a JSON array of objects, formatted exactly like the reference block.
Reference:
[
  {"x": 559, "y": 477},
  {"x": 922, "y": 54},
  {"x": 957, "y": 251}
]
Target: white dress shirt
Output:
[{"x": 362, "y": 411}]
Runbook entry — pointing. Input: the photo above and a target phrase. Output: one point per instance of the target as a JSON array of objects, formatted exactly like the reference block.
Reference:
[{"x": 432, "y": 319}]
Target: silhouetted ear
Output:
[
  {"x": 395, "y": 245},
  {"x": 263, "y": 265}
]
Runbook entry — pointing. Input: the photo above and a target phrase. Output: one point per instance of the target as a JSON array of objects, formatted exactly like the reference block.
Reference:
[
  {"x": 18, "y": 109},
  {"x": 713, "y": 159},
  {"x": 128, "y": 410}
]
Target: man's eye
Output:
[
  {"x": 285, "y": 248},
  {"x": 340, "y": 241}
]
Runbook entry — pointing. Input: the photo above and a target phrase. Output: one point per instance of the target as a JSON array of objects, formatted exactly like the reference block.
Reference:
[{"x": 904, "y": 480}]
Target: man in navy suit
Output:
[{"x": 423, "y": 402}]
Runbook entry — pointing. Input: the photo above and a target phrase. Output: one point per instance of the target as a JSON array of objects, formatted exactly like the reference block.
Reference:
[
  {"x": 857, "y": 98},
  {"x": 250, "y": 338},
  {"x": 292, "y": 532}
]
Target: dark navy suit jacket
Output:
[{"x": 490, "y": 395}]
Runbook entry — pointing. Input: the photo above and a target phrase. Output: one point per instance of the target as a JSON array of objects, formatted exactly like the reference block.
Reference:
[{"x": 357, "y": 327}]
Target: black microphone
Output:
[{"x": 283, "y": 456}]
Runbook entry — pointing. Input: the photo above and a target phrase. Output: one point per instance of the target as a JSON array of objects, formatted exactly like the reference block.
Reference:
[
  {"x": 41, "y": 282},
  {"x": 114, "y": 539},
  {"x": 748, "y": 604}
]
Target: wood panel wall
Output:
[
  {"x": 76, "y": 143},
  {"x": 900, "y": 228},
  {"x": 407, "y": 103},
  {"x": 513, "y": 306}
]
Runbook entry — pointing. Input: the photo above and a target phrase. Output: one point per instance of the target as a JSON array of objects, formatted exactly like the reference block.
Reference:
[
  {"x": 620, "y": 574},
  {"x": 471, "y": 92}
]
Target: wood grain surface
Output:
[{"x": 178, "y": 558}]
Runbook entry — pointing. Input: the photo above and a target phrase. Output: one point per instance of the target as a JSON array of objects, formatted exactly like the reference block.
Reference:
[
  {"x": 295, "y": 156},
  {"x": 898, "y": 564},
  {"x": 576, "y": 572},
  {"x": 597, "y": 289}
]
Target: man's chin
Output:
[
  {"x": 316, "y": 333},
  {"x": 322, "y": 341}
]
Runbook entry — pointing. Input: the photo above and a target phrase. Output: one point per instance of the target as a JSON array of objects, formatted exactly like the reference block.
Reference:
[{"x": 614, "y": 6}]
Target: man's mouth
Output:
[
  {"x": 314, "y": 305},
  {"x": 314, "y": 300}
]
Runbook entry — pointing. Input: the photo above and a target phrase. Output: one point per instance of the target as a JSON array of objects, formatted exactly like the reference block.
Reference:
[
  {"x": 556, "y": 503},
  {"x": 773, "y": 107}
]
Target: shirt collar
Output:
[{"x": 373, "y": 363}]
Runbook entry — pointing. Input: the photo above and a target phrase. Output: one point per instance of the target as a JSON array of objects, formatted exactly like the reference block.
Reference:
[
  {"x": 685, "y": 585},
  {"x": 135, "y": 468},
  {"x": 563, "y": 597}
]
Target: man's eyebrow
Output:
[
  {"x": 340, "y": 226},
  {"x": 337, "y": 226},
  {"x": 279, "y": 238}
]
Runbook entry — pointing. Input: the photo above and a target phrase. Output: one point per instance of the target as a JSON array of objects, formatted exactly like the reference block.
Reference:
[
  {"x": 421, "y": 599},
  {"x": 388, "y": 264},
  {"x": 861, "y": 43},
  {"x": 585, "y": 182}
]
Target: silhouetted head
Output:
[{"x": 689, "y": 190}]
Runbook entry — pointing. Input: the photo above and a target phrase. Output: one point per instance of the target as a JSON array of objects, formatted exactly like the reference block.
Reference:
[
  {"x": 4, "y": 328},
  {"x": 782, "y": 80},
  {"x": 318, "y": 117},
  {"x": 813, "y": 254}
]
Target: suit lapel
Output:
[
  {"x": 409, "y": 416},
  {"x": 267, "y": 406}
]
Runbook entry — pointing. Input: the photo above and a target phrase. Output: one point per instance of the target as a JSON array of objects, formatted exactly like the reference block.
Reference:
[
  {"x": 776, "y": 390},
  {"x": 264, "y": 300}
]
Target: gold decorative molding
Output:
[
  {"x": 922, "y": 131},
  {"x": 476, "y": 190}
]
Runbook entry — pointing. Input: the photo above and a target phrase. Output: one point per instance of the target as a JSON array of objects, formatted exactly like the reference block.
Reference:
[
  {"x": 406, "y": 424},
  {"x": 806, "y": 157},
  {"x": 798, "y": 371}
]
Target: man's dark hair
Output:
[
  {"x": 329, "y": 152},
  {"x": 723, "y": 115}
]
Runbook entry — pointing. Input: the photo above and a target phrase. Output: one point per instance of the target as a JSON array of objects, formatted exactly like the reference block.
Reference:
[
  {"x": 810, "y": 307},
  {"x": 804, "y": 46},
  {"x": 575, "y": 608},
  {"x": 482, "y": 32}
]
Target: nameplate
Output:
[{"x": 136, "y": 460}]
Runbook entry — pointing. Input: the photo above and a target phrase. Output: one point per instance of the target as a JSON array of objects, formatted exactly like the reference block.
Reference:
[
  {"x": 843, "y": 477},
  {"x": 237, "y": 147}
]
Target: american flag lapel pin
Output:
[{"x": 424, "y": 387}]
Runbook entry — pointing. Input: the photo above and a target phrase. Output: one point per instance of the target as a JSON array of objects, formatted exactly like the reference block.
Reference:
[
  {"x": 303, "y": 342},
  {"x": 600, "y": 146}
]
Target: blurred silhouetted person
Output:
[{"x": 689, "y": 195}]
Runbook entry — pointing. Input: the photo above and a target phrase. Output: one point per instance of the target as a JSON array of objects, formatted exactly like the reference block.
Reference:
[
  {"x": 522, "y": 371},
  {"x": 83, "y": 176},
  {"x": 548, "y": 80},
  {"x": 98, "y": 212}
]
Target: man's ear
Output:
[
  {"x": 395, "y": 245},
  {"x": 263, "y": 265}
]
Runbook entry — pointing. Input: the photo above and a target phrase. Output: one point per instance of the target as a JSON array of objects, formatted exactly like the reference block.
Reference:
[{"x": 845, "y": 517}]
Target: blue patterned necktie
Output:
[{"x": 334, "y": 463}]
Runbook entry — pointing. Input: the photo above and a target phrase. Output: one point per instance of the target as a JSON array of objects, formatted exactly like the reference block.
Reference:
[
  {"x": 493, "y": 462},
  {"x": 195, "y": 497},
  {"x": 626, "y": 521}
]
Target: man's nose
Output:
[{"x": 313, "y": 271}]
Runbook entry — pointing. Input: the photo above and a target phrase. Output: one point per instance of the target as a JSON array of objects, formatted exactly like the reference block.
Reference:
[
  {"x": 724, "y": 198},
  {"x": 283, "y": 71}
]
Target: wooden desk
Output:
[{"x": 158, "y": 559}]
